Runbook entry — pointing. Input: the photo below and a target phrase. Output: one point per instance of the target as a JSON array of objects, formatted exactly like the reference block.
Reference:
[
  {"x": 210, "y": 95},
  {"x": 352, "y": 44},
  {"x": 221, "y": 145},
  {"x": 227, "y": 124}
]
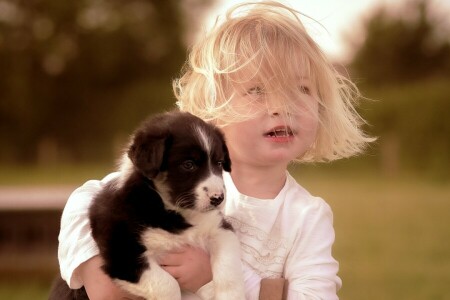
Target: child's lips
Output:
[
  {"x": 279, "y": 131},
  {"x": 280, "y": 134}
]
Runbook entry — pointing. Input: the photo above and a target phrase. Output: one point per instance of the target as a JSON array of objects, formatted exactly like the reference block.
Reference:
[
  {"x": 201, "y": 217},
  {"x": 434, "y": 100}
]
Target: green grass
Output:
[
  {"x": 392, "y": 234},
  {"x": 52, "y": 174},
  {"x": 24, "y": 290}
]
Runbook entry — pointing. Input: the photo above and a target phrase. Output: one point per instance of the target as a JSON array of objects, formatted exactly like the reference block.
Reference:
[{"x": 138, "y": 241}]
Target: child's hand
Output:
[
  {"x": 190, "y": 266},
  {"x": 98, "y": 285}
]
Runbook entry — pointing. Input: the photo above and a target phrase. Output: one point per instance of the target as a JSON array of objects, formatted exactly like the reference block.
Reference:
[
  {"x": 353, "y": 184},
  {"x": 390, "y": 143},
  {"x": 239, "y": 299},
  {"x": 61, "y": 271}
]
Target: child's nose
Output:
[
  {"x": 274, "y": 113},
  {"x": 276, "y": 109}
]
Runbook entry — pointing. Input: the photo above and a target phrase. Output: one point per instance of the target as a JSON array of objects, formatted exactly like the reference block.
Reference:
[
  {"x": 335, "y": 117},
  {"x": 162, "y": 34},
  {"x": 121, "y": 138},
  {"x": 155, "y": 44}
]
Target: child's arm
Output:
[
  {"x": 310, "y": 267},
  {"x": 76, "y": 244},
  {"x": 273, "y": 289},
  {"x": 77, "y": 251},
  {"x": 98, "y": 285}
]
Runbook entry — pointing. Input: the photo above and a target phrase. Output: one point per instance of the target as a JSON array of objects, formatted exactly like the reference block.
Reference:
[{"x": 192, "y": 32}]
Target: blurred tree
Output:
[
  {"x": 404, "y": 65},
  {"x": 74, "y": 74},
  {"x": 397, "y": 50}
]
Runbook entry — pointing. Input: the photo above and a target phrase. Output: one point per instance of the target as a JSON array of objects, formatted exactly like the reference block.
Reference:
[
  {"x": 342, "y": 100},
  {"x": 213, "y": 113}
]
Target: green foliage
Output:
[
  {"x": 396, "y": 50},
  {"x": 70, "y": 71},
  {"x": 404, "y": 65},
  {"x": 415, "y": 118}
]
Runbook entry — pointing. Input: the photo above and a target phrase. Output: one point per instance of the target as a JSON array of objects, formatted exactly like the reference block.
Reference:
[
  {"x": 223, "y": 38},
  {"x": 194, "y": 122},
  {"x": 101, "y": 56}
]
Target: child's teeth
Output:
[{"x": 279, "y": 133}]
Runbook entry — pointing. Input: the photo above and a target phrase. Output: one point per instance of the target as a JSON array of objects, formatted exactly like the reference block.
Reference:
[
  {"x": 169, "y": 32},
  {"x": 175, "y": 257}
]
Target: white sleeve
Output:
[
  {"x": 310, "y": 267},
  {"x": 76, "y": 244}
]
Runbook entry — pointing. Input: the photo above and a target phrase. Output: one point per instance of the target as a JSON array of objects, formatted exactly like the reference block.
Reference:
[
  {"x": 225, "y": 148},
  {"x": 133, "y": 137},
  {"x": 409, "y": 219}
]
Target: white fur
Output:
[
  {"x": 207, "y": 233},
  {"x": 154, "y": 284},
  {"x": 204, "y": 139},
  {"x": 211, "y": 187}
]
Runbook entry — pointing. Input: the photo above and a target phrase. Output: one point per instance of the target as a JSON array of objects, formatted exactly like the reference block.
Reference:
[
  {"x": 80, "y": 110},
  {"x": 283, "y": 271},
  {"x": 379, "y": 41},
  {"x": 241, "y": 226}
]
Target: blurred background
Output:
[{"x": 77, "y": 77}]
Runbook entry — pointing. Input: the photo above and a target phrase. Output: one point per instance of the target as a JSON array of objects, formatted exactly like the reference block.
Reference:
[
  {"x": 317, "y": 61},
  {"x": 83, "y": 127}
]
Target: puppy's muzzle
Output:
[{"x": 215, "y": 200}]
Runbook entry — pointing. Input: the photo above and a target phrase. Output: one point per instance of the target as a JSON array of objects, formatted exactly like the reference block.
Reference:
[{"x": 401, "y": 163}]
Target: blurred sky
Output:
[{"x": 341, "y": 19}]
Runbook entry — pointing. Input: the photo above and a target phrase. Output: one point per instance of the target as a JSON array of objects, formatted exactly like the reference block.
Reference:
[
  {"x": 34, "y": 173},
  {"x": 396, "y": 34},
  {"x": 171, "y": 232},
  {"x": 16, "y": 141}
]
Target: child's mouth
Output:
[{"x": 279, "y": 132}]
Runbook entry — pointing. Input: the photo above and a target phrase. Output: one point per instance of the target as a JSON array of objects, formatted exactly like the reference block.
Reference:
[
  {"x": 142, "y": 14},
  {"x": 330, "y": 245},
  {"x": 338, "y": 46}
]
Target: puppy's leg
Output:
[
  {"x": 227, "y": 266},
  {"x": 154, "y": 284}
]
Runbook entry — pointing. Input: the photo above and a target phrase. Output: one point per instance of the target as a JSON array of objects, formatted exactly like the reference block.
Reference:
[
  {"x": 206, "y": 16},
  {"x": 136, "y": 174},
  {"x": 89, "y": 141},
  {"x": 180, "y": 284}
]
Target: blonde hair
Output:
[{"x": 268, "y": 41}]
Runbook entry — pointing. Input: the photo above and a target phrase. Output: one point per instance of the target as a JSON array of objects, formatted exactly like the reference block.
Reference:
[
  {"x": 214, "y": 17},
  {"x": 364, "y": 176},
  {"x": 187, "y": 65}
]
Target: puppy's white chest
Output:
[{"x": 204, "y": 225}]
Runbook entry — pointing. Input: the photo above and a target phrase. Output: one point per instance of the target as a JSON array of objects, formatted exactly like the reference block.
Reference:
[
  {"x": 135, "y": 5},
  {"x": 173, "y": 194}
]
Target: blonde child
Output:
[{"x": 260, "y": 77}]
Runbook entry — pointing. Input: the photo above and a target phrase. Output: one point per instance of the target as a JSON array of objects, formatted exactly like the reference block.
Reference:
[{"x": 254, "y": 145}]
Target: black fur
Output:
[{"x": 163, "y": 147}]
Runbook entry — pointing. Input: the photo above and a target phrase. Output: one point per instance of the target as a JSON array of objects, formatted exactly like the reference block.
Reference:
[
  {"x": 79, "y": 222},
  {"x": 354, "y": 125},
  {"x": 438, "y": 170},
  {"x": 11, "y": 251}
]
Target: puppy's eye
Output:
[
  {"x": 189, "y": 165},
  {"x": 220, "y": 163}
]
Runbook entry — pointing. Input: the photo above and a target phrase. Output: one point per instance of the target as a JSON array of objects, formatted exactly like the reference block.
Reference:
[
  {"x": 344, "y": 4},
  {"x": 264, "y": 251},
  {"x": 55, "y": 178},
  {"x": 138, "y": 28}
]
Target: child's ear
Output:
[{"x": 148, "y": 147}]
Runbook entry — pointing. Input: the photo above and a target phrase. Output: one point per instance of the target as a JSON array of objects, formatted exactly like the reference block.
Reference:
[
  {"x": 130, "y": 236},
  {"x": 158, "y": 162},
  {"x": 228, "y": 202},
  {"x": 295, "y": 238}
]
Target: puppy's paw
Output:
[
  {"x": 228, "y": 295},
  {"x": 154, "y": 284},
  {"x": 233, "y": 290}
]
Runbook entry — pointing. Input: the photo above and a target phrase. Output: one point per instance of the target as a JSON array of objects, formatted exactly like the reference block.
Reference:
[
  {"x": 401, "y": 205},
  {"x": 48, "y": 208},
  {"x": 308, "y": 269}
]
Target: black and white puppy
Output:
[{"x": 167, "y": 195}]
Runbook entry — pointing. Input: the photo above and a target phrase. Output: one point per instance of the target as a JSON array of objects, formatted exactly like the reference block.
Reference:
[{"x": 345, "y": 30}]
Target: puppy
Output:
[{"x": 168, "y": 195}]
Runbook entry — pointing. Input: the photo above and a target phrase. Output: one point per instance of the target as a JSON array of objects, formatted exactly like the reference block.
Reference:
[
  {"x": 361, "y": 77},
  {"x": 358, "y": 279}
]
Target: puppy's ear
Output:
[
  {"x": 147, "y": 149},
  {"x": 226, "y": 159},
  {"x": 226, "y": 165}
]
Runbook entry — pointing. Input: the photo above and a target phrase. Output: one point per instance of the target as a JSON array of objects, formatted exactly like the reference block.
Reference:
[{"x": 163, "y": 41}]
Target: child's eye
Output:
[
  {"x": 255, "y": 91},
  {"x": 305, "y": 90}
]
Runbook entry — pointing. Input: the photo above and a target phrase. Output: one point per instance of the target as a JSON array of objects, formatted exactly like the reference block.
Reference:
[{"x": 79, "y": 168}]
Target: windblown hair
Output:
[{"x": 267, "y": 43}]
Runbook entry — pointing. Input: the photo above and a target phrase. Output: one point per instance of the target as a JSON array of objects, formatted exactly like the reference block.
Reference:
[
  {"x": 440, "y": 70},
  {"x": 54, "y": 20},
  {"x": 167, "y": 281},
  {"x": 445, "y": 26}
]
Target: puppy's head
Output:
[{"x": 184, "y": 157}]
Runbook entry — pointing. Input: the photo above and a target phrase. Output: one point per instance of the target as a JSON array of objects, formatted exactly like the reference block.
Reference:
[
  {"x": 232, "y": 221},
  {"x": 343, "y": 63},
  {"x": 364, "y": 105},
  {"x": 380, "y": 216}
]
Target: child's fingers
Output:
[
  {"x": 173, "y": 258},
  {"x": 174, "y": 271},
  {"x": 181, "y": 256}
]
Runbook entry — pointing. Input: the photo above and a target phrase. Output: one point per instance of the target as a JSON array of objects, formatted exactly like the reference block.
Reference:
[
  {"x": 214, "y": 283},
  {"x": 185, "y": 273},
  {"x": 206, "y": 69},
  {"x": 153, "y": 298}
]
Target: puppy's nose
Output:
[{"x": 216, "y": 199}]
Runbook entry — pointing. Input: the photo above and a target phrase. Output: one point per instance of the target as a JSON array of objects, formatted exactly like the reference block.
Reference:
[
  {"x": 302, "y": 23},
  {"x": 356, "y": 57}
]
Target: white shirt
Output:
[{"x": 290, "y": 236}]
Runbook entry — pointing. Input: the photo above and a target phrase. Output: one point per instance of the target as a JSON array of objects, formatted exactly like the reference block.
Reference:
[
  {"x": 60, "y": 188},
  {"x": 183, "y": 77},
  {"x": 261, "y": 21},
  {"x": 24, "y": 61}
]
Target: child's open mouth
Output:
[{"x": 281, "y": 132}]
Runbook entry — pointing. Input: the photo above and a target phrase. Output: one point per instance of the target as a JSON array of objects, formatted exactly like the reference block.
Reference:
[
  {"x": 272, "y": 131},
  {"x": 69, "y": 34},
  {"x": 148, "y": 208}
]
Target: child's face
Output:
[{"x": 271, "y": 136}]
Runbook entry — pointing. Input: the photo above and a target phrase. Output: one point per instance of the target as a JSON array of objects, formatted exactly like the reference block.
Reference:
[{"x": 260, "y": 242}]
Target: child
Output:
[{"x": 260, "y": 77}]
